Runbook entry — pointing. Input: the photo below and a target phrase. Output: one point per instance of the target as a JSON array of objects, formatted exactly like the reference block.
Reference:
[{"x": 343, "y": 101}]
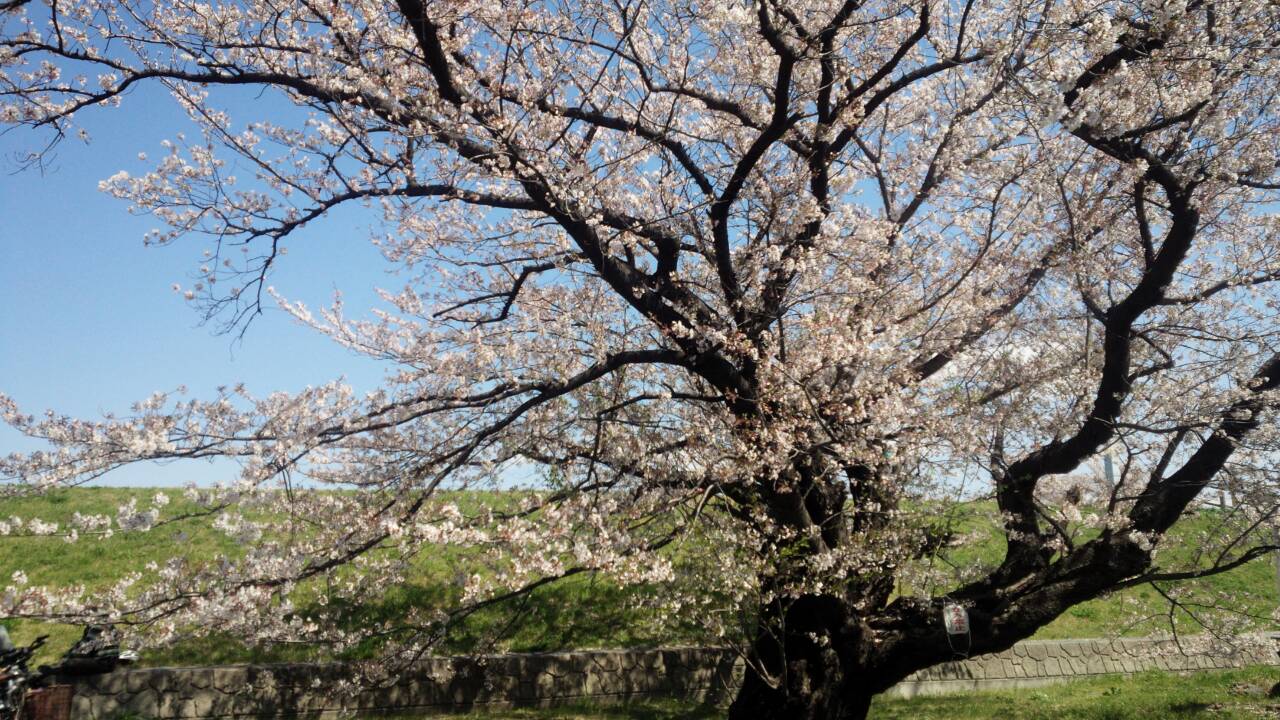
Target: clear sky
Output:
[{"x": 88, "y": 320}]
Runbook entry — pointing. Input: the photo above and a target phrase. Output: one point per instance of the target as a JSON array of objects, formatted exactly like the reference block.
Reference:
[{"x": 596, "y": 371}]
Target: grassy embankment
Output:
[{"x": 579, "y": 612}]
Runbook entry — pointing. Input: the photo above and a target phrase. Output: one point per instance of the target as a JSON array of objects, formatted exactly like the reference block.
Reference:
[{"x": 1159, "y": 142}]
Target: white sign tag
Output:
[{"x": 955, "y": 618}]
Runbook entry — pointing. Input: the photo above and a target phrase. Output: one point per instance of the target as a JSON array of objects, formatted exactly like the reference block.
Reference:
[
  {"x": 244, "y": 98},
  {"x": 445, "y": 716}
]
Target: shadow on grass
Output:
[
  {"x": 636, "y": 710},
  {"x": 1192, "y": 709}
]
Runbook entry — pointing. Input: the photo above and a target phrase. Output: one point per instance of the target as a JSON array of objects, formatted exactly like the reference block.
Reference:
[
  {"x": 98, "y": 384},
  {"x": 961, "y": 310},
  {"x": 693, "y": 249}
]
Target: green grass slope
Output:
[{"x": 579, "y": 612}]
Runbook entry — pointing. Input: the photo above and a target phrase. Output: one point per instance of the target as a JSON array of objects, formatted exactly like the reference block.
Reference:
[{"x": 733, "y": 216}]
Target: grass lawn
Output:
[
  {"x": 1223, "y": 695},
  {"x": 1220, "y": 695}
]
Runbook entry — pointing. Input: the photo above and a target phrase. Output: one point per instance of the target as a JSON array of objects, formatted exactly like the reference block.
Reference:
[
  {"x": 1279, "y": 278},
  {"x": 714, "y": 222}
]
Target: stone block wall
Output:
[
  {"x": 600, "y": 676},
  {"x": 1043, "y": 662},
  {"x": 435, "y": 685}
]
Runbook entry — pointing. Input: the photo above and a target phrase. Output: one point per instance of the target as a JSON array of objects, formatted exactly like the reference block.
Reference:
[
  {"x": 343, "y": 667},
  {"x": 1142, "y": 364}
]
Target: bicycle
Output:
[{"x": 16, "y": 678}]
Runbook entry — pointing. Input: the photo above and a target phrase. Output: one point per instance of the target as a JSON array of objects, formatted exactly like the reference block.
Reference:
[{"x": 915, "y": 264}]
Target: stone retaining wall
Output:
[
  {"x": 437, "y": 685},
  {"x": 1044, "y": 662},
  {"x": 604, "y": 676}
]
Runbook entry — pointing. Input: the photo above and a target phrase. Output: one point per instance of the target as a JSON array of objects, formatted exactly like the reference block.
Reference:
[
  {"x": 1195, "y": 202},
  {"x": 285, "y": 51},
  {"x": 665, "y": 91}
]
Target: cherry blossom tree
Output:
[{"x": 784, "y": 276}]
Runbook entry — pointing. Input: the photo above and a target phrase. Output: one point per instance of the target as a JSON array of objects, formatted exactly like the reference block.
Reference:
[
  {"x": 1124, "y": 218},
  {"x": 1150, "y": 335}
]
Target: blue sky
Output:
[{"x": 88, "y": 320}]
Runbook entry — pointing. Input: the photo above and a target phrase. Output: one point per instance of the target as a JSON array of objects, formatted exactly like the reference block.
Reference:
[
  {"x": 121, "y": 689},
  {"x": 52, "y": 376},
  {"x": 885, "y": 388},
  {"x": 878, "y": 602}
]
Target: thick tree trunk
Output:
[
  {"x": 833, "y": 701},
  {"x": 807, "y": 663}
]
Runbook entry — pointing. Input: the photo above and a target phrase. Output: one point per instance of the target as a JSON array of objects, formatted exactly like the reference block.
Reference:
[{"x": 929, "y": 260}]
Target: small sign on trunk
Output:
[{"x": 955, "y": 618}]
